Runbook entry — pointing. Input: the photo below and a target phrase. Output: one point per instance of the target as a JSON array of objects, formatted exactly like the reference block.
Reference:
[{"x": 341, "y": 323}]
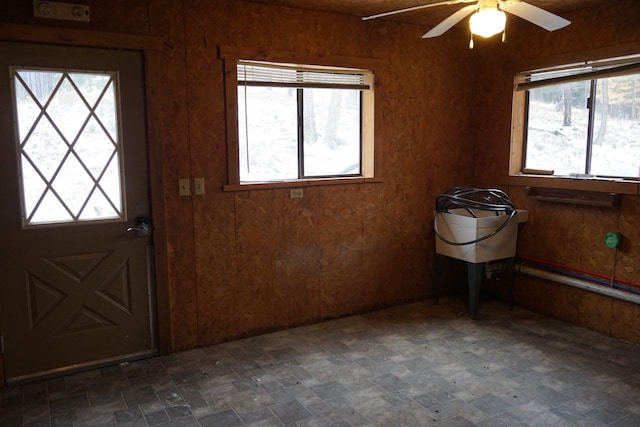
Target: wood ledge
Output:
[
  {"x": 580, "y": 184},
  {"x": 76, "y": 37},
  {"x": 301, "y": 183},
  {"x": 574, "y": 197}
]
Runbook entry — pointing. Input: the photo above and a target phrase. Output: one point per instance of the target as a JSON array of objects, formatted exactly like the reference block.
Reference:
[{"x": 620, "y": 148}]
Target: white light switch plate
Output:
[
  {"x": 198, "y": 186},
  {"x": 184, "y": 187}
]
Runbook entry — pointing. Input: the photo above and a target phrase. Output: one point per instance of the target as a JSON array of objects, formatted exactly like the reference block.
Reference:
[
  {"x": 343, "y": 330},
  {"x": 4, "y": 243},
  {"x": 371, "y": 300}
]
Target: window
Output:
[
  {"x": 69, "y": 146},
  {"x": 579, "y": 121},
  {"x": 300, "y": 123}
]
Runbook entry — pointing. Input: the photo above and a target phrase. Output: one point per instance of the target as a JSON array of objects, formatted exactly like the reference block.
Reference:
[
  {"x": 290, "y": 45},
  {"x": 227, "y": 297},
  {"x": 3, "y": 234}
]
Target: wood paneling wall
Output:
[
  {"x": 231, "y": 264},
  {"x": 567, "y": 234}
]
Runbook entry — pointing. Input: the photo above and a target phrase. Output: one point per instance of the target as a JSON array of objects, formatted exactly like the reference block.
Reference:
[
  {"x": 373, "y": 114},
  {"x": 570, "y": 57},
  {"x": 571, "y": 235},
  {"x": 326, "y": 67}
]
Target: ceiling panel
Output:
[{"x": 427, "y": 17}]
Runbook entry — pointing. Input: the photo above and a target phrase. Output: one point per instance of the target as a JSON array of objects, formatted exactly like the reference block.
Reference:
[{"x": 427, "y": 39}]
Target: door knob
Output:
[{"x": 142, "y": 227}]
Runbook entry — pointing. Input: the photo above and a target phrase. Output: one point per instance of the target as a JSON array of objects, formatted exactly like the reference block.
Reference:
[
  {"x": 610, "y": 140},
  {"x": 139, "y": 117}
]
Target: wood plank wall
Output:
[
  {"x": 231, "y": 264},
  {"x": 568, "y": 234}
]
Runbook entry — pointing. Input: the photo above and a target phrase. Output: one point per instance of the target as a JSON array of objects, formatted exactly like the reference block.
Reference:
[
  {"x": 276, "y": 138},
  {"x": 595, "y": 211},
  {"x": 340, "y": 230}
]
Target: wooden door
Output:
[{"x": 76, "y": 287}]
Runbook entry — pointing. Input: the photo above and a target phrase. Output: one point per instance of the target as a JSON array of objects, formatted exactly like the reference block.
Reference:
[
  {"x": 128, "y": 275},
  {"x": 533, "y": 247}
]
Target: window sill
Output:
[
  {"x": 602, "y": 185},
  {"x": 300, "y": 183}
]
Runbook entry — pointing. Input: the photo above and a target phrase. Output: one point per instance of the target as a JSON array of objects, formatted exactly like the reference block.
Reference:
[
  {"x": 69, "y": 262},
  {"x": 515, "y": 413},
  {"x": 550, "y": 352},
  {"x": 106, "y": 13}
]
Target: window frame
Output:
[
  {"x": 625, "y": 64},
  {"x": 231, "y": 56}
]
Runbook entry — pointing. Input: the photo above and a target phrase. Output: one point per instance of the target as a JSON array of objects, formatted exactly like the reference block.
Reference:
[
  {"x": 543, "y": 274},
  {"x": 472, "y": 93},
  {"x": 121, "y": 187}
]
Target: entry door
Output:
[{"x": 75, "y": 286}]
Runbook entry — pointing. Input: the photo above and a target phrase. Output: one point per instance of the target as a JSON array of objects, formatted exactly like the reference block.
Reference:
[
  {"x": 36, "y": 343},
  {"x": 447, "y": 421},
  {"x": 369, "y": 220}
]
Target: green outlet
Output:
[{"x": 612, "y": 240}]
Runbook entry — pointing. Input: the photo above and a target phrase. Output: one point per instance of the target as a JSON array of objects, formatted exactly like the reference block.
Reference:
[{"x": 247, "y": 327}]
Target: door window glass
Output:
[{"x": 69, "y": 146}]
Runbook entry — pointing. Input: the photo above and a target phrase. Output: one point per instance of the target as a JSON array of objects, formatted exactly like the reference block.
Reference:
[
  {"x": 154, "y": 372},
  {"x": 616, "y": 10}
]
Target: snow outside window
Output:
[
  {"x": 299, "y": 123},
  {"x": 583, "y": 121}
]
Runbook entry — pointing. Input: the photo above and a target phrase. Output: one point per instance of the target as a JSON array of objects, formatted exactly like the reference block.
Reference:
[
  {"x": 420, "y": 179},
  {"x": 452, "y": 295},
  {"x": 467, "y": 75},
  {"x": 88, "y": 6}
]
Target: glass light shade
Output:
[{"x": 487, "y": 22}]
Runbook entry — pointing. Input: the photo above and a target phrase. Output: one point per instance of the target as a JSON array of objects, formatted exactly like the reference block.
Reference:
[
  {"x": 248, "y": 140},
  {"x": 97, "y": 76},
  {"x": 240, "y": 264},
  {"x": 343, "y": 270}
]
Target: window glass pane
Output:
[
  {"x": 557, "y": 128},
  {"x": 331, "y": 132},
  {"x": 64, "y": 156},
  {"x": 106, "y": 111},
  {"x": 110, "y": 184},
  {"x": 41, "y": 85},
  {"x": 50, "y": 210},
  {"x": 616, "y": 131},
  {"x": 44, "y": 146},
  {"x": 33, "y": 186},
  {"x": 98, "y": 207},
  {"x": 67, "y": 110},
  {"x": 73, "y": 184},
  {"x": 268, "y": 135}
]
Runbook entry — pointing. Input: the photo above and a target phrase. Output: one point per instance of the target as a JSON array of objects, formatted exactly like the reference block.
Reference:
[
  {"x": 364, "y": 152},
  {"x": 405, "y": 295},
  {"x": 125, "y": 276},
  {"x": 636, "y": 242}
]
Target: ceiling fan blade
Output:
[
  {"x": 452, "y": 20},
  {"x": 411, "y": 9},
  {"x": 535, "y": 15}
]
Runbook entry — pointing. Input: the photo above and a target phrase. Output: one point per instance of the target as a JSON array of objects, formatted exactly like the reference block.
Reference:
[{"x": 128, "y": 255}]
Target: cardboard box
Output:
[{"x": 458, "y": 225}]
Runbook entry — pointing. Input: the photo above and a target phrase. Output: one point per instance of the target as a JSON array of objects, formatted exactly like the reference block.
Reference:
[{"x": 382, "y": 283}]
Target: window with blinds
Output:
[
  {"x": 580, "y": 120},
  {"x": 298, "y": 122},
  {"x": 269, "y": 74}
]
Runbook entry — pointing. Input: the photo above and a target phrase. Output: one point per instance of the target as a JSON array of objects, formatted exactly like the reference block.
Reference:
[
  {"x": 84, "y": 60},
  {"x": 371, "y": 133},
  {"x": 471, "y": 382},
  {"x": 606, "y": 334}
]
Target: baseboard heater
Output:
[{"x": 579, "y": 283}]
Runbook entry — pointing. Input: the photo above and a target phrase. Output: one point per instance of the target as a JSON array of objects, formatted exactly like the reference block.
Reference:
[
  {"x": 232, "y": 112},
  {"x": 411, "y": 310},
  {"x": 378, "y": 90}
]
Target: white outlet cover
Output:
[{"x": 296, "y": 193}]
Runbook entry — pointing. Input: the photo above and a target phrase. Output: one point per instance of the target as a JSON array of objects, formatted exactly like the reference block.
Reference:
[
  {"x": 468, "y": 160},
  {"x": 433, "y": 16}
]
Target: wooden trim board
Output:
[{"x": 73, "y": 37}]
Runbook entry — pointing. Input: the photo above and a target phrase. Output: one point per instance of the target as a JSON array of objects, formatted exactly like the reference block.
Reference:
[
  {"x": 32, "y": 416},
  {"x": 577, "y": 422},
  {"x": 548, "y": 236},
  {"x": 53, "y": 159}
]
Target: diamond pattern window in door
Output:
[
  {"x": 43, "y": 83},
  {"x": 69, "y": 145}
]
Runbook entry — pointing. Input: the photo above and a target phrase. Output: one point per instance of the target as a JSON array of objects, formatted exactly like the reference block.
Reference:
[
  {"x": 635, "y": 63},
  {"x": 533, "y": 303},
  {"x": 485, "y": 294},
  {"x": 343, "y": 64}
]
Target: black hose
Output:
[{"x": 470, "y": 199}]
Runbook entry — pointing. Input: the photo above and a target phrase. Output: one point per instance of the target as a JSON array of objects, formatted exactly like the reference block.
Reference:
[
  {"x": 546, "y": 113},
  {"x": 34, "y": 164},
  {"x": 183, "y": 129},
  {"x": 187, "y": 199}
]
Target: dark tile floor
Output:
[{"x": 414, "y": 365}]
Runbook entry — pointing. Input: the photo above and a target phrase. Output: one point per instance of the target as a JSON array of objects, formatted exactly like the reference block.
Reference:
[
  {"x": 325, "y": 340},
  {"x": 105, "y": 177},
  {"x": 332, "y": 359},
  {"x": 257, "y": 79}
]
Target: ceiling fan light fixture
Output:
[{"x": 487, "y": 22}]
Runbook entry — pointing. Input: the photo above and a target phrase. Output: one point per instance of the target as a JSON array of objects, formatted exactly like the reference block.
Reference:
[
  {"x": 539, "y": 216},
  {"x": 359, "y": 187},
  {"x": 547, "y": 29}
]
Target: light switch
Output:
[
  {"x": 198, "y": 186},
  {"x": 184, "y": 187}
]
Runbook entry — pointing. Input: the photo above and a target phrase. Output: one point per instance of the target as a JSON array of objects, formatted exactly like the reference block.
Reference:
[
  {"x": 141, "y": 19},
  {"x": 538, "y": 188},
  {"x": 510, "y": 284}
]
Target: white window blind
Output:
[
  {"x": 575, "y": 72},
  {"x": 252, "y": 73}
]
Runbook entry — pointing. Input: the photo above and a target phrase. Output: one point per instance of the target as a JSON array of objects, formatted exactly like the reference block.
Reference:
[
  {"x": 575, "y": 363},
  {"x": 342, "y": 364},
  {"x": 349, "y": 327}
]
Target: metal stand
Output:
[
  {"x": 511, "y": 272},
  {"x": 475, "y": 273}
]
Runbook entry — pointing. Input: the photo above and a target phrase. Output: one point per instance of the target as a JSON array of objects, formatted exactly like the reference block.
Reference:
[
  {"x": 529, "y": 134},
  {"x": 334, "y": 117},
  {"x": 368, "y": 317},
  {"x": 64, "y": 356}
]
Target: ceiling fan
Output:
[{"x": 488, "y": 17}]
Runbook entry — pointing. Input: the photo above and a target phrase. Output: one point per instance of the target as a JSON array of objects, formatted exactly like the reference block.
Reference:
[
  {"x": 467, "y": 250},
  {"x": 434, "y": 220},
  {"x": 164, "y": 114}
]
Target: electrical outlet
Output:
[
  {"x": 198, "y": 186},
  {"x": 183, "y": 187},
  {"x": 61, "y": 11},
  {"x": 296, "y": 193}
]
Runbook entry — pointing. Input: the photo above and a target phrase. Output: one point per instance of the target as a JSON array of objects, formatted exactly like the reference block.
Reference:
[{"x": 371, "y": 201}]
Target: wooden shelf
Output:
[{"x": 575, "y": 197}]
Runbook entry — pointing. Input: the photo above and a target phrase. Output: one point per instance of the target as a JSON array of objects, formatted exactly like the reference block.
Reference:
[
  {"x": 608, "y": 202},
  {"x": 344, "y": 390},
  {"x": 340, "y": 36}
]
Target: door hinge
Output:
[{"x": 1, "y": 344}]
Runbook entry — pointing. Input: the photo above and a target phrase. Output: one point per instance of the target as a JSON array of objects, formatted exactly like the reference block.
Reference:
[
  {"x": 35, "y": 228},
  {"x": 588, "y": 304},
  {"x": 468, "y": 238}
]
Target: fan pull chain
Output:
[{"x": 471, "y": 42}]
